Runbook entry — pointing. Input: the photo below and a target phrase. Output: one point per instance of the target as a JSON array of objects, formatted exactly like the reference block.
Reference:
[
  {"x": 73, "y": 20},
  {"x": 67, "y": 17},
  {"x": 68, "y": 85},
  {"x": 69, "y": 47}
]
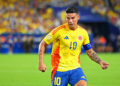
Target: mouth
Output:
[{"x": 70, "y": 24}]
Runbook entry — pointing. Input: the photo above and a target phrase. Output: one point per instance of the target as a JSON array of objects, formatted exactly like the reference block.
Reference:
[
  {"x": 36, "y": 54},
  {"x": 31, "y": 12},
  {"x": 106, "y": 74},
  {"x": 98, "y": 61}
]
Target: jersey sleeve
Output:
[
  {"x": 86, "y": 38},
  {"x": 49, "y": 38}
]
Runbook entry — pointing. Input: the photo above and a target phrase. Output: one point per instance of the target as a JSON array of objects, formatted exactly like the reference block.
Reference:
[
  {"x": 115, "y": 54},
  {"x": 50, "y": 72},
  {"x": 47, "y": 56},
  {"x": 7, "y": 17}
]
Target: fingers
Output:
[
  {"x": 105, "y": 66},
  {"x": 106, "y": 63},
  {"x": 42, "y": 68}
]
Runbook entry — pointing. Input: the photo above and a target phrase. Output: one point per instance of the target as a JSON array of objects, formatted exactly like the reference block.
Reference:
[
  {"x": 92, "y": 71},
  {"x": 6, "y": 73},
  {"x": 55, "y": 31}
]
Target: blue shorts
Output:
[{"x": 71, "y": 77}]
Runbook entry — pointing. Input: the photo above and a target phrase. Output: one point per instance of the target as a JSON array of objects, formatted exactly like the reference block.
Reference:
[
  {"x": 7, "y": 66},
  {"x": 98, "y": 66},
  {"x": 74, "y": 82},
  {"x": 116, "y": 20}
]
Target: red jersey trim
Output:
[
  {"x": 55, "y": 61},
  {"x": 57, "y": 29}
]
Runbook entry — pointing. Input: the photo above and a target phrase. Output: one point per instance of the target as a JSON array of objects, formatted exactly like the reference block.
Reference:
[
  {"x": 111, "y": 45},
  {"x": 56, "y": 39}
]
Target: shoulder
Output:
[
  {"x": 57, "y": 29},
  {"x": 82, "y": 29}
]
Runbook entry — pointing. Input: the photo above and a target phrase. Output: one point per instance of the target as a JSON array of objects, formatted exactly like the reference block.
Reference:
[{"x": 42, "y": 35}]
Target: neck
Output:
[{"x": 73, "y": 28}]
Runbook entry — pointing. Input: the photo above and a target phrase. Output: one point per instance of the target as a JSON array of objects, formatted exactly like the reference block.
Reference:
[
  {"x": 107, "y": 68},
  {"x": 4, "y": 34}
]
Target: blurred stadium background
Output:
[{"x": 24, "y": 23}]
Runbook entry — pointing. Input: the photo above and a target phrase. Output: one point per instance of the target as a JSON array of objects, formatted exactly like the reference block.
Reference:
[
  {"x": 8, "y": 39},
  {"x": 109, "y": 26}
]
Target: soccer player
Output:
[{"x": 67, "y": 40}]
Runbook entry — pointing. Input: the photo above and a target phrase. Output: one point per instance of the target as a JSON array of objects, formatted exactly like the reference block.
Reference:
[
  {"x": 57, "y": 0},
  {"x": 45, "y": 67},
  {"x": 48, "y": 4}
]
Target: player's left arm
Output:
[
  {"x": 93, "y": 56},
  {"x": 91, "y": 53}
]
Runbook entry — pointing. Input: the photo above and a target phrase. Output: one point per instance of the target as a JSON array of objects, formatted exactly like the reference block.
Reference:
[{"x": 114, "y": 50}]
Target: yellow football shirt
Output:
[{"x": 66, "y": 48}]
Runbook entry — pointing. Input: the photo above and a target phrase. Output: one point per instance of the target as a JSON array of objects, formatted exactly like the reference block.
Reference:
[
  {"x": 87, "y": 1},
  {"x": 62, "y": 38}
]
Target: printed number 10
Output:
[{"x": 73, "y": 45}]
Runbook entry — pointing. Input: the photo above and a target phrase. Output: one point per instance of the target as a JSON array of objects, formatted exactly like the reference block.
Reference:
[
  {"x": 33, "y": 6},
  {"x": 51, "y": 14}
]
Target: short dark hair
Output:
[{"x": 71, "y": 10}]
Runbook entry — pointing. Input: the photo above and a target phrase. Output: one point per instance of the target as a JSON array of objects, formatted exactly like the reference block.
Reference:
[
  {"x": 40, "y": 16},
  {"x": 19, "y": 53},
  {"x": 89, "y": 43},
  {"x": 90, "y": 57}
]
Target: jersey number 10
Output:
[{"x": 73, "y": 45}]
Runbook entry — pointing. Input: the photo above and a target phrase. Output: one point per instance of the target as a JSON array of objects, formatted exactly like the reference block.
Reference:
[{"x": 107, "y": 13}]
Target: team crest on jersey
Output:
[{"x": 80, "y": 37}]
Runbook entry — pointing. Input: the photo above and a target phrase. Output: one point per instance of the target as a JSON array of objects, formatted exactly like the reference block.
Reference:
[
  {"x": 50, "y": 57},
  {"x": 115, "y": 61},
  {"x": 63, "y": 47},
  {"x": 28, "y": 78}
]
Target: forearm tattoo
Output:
[{"x": 92, "y": 54}]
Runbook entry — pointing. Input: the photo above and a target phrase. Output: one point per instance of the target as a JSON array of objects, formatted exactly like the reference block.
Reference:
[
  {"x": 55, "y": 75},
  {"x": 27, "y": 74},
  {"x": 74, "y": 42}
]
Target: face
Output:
[{"x": 72, "y": 19}]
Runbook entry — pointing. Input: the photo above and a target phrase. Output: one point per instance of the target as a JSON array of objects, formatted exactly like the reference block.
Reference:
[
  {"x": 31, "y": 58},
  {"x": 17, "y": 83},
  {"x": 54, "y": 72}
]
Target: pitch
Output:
[{"x": 22, "y": 70}]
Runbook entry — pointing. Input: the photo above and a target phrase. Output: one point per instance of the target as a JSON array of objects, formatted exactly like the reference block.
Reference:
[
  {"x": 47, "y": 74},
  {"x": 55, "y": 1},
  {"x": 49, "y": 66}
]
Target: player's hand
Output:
[
  {"x": 42, "y": 67},
  {"x": 104, "y": 65}
]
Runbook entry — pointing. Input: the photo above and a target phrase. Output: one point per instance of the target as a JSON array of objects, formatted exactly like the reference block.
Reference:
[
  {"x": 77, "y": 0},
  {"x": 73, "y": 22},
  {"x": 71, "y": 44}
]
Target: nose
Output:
[{"x": 70, "y": 21}]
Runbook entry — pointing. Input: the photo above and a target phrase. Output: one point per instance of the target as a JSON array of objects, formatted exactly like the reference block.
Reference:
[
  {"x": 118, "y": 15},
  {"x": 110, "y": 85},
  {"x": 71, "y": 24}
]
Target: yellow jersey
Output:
[{"x": 66, "y": 48}]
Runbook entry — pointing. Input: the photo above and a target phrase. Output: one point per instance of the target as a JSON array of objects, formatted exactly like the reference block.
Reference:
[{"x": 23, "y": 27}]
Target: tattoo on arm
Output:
[{"x": 92, "y": 54}]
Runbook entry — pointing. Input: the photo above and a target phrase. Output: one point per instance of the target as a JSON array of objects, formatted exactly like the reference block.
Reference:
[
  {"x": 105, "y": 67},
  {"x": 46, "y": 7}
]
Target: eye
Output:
[
  {"x": 68, "y": 18},
  {"x": 73, "y": 18}
]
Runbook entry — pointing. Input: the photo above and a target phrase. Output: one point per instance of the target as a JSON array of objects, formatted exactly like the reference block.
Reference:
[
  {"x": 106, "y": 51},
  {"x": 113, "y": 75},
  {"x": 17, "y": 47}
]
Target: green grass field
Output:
[{"x": 22, "y": 70}]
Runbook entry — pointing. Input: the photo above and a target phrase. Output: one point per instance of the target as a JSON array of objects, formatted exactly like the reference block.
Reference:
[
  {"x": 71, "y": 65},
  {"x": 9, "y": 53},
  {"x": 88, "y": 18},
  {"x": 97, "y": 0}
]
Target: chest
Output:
[{"x": 71, "y": 39}]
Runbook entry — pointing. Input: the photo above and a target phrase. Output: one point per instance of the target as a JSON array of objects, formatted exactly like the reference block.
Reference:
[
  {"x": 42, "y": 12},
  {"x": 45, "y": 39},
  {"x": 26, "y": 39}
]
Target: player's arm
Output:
[
  {"x": 93, "y": 56},
  {"x": 49, "y": 38},
  {"x": 42, "y": 46},
  {"x": 91, "y": 53}
]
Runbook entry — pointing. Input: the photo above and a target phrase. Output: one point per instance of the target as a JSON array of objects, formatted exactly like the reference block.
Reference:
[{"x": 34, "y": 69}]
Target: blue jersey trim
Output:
[{"x": 87, "y": 46}]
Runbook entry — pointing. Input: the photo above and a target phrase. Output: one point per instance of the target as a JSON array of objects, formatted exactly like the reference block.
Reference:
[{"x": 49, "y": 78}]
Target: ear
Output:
[{"x": 78, "y": 16}]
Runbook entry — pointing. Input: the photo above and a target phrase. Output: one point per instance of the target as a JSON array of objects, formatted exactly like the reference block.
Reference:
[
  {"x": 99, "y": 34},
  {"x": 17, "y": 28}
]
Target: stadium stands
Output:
[{"x": 32, "y": 19}]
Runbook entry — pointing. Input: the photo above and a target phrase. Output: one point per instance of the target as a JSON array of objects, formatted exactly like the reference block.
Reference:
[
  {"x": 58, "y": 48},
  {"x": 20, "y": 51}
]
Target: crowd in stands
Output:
[
  {"x": 112, "y": 12},
  {"x": 110, "y": 9},
  {"x": 99, "y": 42},
  {"x": 34, "y": 17},
  {"x": 24, "y": 16},
  {"x": 19, "y": 16}
]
